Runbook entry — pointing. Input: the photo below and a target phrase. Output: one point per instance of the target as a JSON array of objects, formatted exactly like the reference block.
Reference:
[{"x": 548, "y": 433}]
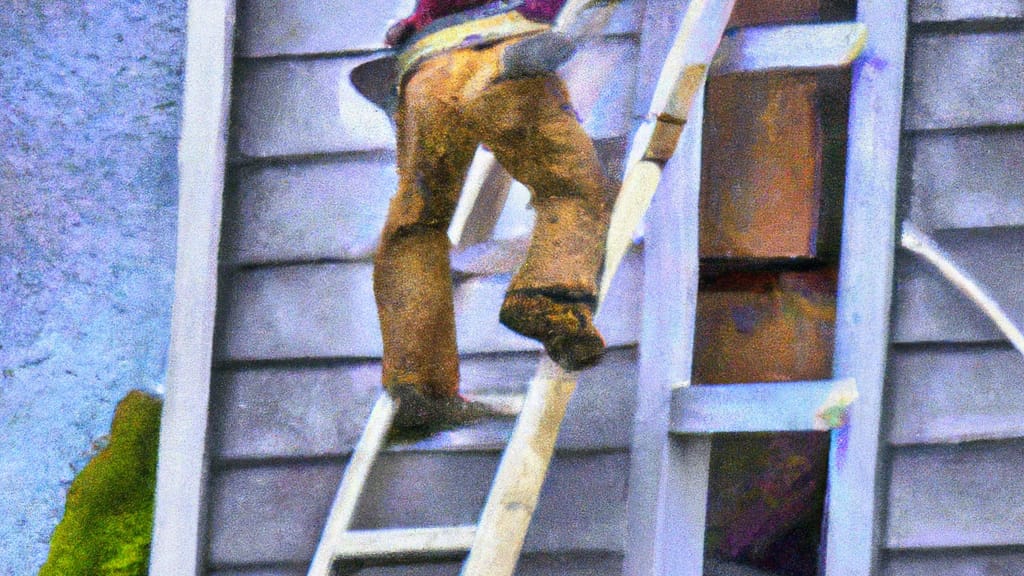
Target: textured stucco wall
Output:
[{"x": 90, "y": 96}]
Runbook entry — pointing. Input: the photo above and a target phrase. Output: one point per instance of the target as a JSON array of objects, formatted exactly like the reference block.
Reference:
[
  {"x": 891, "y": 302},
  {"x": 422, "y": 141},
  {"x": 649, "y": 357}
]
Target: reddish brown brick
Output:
[
  {"x": 765, "y": 327},
  {"x": 762, "y": 167}
]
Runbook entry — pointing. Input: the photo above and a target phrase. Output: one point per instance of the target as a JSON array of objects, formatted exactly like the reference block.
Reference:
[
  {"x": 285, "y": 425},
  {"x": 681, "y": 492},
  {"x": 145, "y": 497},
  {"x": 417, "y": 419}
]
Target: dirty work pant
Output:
[{"x": 449, "y": 105}]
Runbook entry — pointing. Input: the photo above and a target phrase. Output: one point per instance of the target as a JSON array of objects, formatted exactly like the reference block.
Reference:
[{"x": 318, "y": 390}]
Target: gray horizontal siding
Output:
[
  {"x": 333, "y": 209},
  {"x": 529, "y": 565},
  {"x": 600, "y": 80},
  {"x": 302, "y": 107},
  {"x": 956, "y": 406},
  {"x": 316, "y": 411},
  {"x": 277, "y": 28},
  {"x": 967, "y": 180},
  {"x": 307, "y": 211},
  {"x": 298, "y": 312},
  {"x": 957, "y": 496},
  {"x": 303, "y": 411},
  {"x": 269, "y": 514},
  {"x": 953, "y": 10},
  {"x": 328, "y": 310},
  {"x": 955, "y": 394},
  {"x": 276, "y": 514},
  {"x": 969, "y": 562},
  {"x": 927, "y": 308},
  {"x": 299, "y": 107},
  {"x": 958, "y": 81},
  {"x": 660, "y": 21}
]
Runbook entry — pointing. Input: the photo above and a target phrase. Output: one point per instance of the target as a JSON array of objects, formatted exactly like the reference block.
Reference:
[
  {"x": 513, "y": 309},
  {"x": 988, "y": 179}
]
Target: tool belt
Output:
[{"x": 475, "y": 27}]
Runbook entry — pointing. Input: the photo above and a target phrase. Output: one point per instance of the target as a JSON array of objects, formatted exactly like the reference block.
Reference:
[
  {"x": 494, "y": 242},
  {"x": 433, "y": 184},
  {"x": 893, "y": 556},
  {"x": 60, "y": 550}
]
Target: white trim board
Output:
[{"x": 182, "y": 460}]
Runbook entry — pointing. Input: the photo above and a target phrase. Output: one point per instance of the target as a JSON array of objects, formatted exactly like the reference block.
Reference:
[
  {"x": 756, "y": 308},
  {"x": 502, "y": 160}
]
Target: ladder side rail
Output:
[
  {"x": 346, "y": 500},
  {"x": 853, "y": 533},
  {"x": 483, "y": 195},
  {"x": 668, "y": 475},
  {"x": 683, "y": 74},
  {"x": 510, "y": 504},
  {"x": 513, "y": 497}
]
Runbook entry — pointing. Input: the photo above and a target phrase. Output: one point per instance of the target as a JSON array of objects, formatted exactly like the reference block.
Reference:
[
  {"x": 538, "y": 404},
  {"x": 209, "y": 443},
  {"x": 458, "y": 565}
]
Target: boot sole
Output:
[{"x": 573, "y": 350}]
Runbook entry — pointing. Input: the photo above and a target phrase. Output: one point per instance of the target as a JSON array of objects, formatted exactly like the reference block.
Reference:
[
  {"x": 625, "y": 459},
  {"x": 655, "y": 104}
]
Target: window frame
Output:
[{"x": 669, "y": 471}]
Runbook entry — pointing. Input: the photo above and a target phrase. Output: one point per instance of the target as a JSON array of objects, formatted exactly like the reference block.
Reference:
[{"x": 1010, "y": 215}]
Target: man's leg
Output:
[
  {"x": 412, "y": 272},
  {"x": 533, "y": 131}
]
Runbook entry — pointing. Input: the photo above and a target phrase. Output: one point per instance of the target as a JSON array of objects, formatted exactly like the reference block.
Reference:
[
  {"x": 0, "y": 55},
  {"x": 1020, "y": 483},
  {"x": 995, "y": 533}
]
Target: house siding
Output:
[
  {"x": 297, "y": 348},
  {"x": 955, "y": 446}
]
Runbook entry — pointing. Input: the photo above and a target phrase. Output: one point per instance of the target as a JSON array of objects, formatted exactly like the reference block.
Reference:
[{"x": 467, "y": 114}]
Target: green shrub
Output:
[{"x": 108, "y": 518}]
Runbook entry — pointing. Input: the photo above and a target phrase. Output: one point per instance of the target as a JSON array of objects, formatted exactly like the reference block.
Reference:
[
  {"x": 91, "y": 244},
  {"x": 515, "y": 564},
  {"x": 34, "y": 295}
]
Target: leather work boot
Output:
[
  {"x": 565, "y": 328},
  {"x": 420, "y": 415}
]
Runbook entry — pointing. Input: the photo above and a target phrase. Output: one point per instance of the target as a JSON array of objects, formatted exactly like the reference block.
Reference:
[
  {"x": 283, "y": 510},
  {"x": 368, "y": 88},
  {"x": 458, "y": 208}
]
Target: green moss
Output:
[{"x": 108, "y": 518}]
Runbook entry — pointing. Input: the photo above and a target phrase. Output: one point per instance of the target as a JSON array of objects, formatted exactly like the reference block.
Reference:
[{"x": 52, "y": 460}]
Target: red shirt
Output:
[{"x": 429, "y": 10}]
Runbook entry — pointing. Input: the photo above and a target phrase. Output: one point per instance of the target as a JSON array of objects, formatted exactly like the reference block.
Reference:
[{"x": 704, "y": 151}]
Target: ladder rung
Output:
[
  {"x": 761, "y": 407},
  {"x": 795, "y": 47},
  {"x": 404, "y": 543}
]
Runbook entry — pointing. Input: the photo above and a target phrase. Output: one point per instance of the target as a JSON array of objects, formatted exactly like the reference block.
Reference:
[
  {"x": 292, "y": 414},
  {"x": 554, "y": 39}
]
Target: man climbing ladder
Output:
[{"x": 474, "y": 72}]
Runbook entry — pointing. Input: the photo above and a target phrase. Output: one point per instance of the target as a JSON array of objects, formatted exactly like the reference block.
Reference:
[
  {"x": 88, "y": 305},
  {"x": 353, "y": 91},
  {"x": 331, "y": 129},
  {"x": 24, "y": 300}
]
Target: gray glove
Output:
[{"x": 535, "y": 56}]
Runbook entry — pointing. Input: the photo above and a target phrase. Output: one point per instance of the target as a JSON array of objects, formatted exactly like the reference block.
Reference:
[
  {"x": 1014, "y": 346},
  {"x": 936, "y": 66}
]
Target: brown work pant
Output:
[{"x": 449, "y": 105}]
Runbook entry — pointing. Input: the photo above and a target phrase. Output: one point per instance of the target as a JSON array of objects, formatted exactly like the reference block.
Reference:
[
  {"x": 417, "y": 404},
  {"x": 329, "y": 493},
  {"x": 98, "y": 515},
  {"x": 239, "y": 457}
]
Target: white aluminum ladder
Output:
[{"x": 494, "y": 544}]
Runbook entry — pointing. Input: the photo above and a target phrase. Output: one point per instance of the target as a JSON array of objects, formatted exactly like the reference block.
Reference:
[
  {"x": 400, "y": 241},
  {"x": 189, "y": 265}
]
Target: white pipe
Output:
[{"x": 919, "y": 243}]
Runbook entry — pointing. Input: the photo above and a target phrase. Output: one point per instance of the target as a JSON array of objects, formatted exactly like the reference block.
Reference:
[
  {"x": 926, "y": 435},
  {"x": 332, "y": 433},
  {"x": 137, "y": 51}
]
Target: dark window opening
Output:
[{"x": 766, "y": 498}]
